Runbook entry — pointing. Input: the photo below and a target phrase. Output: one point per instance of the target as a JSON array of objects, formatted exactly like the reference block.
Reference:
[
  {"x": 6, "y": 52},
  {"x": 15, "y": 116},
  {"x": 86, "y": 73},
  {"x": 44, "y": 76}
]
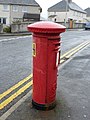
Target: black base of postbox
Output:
[{"x": 44, "y": 107}]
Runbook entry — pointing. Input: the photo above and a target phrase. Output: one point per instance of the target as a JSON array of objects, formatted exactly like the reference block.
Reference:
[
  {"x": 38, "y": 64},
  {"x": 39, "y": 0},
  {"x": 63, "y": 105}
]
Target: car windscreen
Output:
[{"x": 88, "y": 24}]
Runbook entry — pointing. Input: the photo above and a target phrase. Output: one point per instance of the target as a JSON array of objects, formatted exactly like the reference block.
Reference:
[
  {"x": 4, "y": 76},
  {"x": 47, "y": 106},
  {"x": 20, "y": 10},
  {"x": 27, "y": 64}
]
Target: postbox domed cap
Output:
[{"x": 46, "y": 27}]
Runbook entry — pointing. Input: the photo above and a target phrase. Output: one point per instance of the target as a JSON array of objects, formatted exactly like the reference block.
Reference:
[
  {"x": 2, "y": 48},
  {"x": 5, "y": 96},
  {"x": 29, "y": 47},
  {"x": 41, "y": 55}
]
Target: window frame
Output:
[
  {"x": 24, "y": 9},
  {"x": 15, "y": 8},
  {"x": 4, "y": 20},
  {"x": 0, "y": 20},
  {"x": 6, "y": 8}
]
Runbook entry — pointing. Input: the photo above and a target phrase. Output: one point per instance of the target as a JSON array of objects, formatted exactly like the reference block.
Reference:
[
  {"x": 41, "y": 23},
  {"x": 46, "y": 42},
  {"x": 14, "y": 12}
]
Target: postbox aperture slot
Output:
[
  {"x": 57, "y": 44},
  {"x": 34, "y": 49}
]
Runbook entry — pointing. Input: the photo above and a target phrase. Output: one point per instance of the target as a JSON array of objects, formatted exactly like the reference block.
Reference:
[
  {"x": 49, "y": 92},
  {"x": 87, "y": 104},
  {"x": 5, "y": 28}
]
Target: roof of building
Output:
[
  {"x": 19, "y": 2},
  {"x": 61, "y": 7},
  {"x": 88, "y": 12}
]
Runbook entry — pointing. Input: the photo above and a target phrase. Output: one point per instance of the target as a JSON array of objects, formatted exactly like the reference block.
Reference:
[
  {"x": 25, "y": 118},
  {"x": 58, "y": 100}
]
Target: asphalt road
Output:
[
  {"x": 15, "y": 61},
  {"x": 16, "y": 55}
]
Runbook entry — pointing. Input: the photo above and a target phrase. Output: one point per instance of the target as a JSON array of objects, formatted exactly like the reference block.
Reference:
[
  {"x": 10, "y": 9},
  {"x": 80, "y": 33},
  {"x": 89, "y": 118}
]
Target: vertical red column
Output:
[{"x": 46, "y": 57}]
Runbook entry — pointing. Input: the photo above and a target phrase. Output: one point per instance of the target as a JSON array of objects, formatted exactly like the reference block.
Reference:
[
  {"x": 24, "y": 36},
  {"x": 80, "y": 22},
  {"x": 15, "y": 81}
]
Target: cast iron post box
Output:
[{"x": 46, "y": 58}]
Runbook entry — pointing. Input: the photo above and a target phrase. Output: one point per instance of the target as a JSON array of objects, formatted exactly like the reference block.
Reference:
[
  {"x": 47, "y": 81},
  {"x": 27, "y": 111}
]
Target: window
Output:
[
  {"x": 55, "y": 20},
  {"x": 5, "y": 7},
  {"x": 24, "y": 8},
  {"x": 15, "y": 8},
  {"x": 54, "y": 13},
  {"x": 4, "y": 20},
  {"x": 74, "y": 13},
  {"x": 79, "y": 14},
  {"x": 0, "y": 20},
  {"x": 82, "y": 14}
]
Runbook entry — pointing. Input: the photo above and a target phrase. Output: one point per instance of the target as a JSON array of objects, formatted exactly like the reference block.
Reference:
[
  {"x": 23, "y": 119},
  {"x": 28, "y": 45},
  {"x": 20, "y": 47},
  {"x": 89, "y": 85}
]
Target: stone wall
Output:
[
  {"x": 74, "y": 26},
  {"x": 21, "y": 27}
]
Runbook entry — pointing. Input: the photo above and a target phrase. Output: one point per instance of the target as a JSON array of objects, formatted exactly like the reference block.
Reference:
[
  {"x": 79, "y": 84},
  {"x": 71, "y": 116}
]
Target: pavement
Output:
[
  {"x": 29, "y": 33},
  {"x": 73, "y": 93},
  {"x": 15, "y": 34}
]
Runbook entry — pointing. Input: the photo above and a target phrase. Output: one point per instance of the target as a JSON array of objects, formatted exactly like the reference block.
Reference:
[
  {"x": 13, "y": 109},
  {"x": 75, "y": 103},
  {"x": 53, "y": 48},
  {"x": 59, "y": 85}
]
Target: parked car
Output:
[{"x": 87, "y": 26}]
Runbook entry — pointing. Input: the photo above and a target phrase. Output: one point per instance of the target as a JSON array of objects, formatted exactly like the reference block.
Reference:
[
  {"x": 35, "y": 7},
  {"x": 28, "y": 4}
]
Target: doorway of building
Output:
[{"x": 71, "y": 23}]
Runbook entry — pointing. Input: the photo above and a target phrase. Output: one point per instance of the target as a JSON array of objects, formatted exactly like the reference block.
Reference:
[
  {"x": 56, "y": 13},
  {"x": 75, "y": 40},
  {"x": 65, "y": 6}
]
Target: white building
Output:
[
  {"x": 66, "y": 11},
  {"x": 15, "y": 10}
]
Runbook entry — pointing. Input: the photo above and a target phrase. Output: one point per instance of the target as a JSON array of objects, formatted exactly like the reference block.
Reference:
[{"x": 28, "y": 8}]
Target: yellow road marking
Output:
[
  {"x": 68, "y": 56},
  {"x": 72, "y": 50},
  {"x": 62, "y": 61},
  {"x": 12, "y": 97},
  {"x": 15, "y": 86}
]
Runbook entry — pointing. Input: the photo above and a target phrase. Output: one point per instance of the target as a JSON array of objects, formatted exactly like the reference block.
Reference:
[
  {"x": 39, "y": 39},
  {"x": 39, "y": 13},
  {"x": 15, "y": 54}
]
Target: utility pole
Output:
[
  {"x": 10, "y": 15},
  {"x": 66, "y": 11}
]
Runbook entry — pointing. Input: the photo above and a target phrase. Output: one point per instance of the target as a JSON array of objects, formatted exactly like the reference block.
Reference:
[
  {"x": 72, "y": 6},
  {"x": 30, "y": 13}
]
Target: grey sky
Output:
[{"x": 45, "y": 4}]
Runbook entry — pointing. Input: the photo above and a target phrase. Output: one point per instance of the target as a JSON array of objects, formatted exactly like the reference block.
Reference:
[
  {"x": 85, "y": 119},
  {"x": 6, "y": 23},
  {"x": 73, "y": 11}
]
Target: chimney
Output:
[{"x": 69, "y": 1}]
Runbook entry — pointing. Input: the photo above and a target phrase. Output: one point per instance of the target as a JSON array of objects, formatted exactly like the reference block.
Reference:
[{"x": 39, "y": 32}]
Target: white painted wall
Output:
[
  {"x": 5, "y": 14},
  {"x": 88, "y": 18},
  {"x": 77, "y": 16},
  {"x": 10, "y": 14},
  {"x": 61, "y": 16}
]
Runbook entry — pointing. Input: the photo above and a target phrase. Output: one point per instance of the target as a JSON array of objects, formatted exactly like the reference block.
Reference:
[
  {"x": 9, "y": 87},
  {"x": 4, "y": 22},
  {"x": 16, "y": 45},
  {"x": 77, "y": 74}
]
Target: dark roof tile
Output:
[
  {"x": 61, "y": 7},
  {"x": 88, "y": 12},
  {"x": 20, "y": 2},
  {"x": 74, "y": 6}
]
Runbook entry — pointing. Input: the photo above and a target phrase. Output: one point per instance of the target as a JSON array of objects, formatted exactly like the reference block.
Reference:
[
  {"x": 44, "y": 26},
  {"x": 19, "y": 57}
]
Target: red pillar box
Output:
[{"x": 46, "y": 58}]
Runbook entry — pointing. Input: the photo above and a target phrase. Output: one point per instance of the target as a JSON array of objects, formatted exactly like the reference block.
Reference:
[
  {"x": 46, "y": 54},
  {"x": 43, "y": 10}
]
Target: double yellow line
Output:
[
  {"x": 74, "y": 50},
  {"x": 63, "y": 58},
  {"x": 16, "y": 94}
]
